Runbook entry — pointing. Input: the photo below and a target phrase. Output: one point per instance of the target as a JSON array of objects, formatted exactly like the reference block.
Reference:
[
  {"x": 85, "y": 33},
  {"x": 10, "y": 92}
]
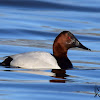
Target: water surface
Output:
[{"x": 32, "y": 25}]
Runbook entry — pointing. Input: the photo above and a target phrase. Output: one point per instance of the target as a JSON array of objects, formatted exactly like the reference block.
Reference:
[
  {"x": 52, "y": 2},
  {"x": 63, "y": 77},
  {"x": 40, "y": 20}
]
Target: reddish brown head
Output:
[{"x": 64, "y": 41}]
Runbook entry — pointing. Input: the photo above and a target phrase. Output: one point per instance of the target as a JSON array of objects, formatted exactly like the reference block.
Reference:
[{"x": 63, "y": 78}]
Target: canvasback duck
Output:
[{"x": 44, "y": 60}]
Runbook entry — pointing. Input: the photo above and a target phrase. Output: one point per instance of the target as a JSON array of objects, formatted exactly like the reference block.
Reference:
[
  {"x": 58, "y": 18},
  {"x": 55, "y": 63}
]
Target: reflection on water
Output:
[
  {"x": 59, "y": 74},
  {"x": 77, "y": 81}
]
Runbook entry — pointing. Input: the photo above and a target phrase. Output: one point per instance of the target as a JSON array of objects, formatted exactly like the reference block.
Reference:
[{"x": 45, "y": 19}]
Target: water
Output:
[{"x": 32, "y": 25}]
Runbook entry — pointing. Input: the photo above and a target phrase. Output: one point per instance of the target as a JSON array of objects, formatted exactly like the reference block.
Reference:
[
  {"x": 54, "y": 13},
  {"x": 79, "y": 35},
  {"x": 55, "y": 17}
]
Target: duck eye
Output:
[{"x": 69, "y": 37}]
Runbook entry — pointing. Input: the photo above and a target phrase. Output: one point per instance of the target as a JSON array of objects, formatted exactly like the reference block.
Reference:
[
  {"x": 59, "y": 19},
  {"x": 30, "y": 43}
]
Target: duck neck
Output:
[
  {"x": 60, "y": 54},
  {"x": 59, "y": 50}
]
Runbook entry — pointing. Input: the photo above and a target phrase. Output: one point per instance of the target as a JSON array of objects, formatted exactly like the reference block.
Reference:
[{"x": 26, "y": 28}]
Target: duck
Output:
[{"x": 44, "y": 60}]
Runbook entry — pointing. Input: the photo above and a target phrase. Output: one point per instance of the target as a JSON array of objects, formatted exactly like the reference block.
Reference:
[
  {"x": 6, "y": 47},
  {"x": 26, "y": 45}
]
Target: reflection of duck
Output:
[
  {"x": 56, "y": 75},
  {"x": 44, "y": 60},
  {"x": 60, "y": 75}
]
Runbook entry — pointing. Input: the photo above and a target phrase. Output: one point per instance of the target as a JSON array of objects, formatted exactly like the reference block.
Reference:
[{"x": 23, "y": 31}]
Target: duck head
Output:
[
  {"x": 64, "y": 41},
  {"x": 71, "y": 41}
]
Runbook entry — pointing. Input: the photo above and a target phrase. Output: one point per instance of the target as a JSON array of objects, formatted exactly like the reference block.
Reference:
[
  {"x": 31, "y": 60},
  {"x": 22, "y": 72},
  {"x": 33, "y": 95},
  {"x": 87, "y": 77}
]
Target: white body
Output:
[{"x": 34, "y": 60}]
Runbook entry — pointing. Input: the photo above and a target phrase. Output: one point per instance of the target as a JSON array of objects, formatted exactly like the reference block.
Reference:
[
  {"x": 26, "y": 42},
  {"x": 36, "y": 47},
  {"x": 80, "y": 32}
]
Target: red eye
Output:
[{"x": 69, "y": 37}]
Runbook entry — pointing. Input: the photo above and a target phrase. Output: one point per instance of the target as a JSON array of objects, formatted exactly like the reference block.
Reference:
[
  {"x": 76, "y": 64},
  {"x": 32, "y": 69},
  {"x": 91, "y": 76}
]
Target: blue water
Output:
[{"x": 32, "y": 25}]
